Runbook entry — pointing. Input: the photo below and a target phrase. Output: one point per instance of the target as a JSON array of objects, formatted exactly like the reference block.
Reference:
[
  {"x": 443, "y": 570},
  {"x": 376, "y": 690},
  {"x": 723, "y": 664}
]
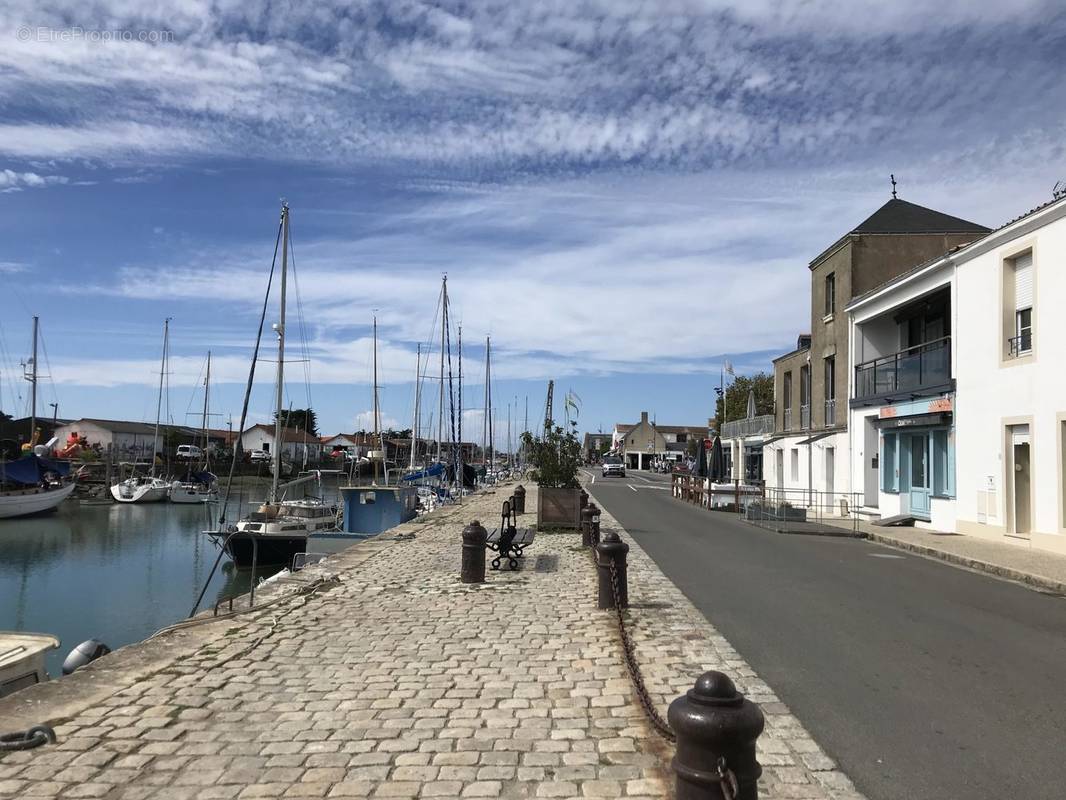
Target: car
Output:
[
  {"x": 189, "y": 452},
  {"x": 613, "y": 465},
  {"x": 258, "y": 456}
]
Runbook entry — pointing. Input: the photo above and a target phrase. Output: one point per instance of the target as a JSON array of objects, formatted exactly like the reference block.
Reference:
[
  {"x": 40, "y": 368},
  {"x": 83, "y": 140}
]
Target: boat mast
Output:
[
  {"x": 443, "y": 328},
  {"x": 488, "y": 400},
  {"x": 414, "y": 427},
  {"x": 159, "y": 399},
  {"x": 207, "y": 389},
  {"x": 280, "y": 329},
  {"x": 377, "y": 416},
  {"x": 32, "y": 378}
]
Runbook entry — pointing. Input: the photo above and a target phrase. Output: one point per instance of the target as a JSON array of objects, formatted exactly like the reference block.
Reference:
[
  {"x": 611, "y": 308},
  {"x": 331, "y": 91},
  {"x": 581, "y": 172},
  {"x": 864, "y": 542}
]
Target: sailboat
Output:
[
  {"x": 278, "y": 529},
  {"x": 148, "y": 488},
  {"x": 32, "y": 484},
  {"x": 200, "y": 486}
]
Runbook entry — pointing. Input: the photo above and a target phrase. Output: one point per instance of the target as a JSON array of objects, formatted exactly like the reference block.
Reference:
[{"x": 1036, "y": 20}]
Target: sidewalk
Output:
[
  {"x": 1037, "y": 568},
  {"x": 392, "y": 679}
]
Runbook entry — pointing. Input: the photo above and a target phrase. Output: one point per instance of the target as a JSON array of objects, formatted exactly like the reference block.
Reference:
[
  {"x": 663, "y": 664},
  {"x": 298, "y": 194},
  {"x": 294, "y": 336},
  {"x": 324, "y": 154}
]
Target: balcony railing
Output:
[
  {"x": 1020, "y": 345},
  {"x": 805, "y": 416},
  {"x": 830, "y": 412},
  {"x": 917, "y": 367},
  {"x": 788, "y": 419},
  {"x": 740, "y": 428}
]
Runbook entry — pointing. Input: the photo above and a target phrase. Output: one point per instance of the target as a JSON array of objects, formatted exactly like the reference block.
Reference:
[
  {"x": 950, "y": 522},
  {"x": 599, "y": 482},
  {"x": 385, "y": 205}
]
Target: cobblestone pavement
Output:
[{"x": 398, "y": 681}]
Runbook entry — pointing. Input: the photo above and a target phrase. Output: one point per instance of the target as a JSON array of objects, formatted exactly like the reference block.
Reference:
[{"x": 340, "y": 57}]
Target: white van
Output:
[{"x": 189, "y": 452}]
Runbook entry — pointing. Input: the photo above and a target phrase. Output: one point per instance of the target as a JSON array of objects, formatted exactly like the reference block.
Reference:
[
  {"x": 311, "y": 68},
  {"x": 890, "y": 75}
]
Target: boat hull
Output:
[
  {"x": 180, "y": 493},
  {"x": 144, "y": 493},
  {"x": 273, "y": 549},
  {"x": 23, "y": 504}
]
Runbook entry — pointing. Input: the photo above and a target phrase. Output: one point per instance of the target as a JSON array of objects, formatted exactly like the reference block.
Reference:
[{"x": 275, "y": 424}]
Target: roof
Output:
[
  {"x": 120, "y": 426},
  {"x": 900, "y": 216},
  {"x": 287, "y": 434},
  {"x": 621, "y": 428}
]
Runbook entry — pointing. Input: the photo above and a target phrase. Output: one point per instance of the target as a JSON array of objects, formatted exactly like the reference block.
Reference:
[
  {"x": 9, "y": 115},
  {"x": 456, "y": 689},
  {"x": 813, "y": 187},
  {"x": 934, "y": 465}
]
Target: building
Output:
[
  {"x": 744, "y": 440},
  {"x": 595, "y": 445},
  {"x": 296, "y": 445},
  {"x": 809, "y": 452},
  {"x": 127, "y": 440},
  {"x": 1010, "y": 382},
  {"x": 641, "y": 444}
]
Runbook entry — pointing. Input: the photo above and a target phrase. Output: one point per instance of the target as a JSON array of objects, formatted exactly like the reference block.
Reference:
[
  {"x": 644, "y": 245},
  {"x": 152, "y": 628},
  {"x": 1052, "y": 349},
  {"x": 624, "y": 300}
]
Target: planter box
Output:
[{"x": 558, "y": 508}]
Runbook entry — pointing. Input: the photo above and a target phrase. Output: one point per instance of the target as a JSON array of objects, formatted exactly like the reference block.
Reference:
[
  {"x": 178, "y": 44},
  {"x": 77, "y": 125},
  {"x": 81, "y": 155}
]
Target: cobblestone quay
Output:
[{"x": 397, "y": 680}]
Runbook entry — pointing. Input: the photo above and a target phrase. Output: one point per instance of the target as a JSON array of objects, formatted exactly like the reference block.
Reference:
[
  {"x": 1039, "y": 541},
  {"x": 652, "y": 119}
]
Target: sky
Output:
[{"x": 623, "y": 195}]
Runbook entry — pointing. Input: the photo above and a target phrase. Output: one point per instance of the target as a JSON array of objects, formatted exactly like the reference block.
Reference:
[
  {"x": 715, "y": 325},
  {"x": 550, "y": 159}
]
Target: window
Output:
[
  {"x": 830, "y": 293},
  {"x": 1020, "y": 341},
  {"x": 889, "y": 482},
  {"x": 788, "y": 390},
  {"x": 830, "y": 390},
  {"x": 795, "y": 464},
  {"x": 943, "y": 463},
  {"x": 682, "y": 438},
  {"x": 805, "y": 396}
]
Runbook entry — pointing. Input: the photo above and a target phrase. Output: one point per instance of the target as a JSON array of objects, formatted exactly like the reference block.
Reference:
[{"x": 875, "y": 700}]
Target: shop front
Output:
[{"x": 917, "y": 461}]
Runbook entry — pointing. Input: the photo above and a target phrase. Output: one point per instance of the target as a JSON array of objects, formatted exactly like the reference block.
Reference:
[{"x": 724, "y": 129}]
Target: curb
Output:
[{"x": 1033, "y": 581}]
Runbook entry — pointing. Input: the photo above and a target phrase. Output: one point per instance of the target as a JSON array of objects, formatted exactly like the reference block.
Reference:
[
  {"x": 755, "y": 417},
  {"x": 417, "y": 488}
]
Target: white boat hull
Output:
[
  {"x": 151, "y": 492},
  {"x": 20, "y": 503},
  {"x": 192, "y": 493}
]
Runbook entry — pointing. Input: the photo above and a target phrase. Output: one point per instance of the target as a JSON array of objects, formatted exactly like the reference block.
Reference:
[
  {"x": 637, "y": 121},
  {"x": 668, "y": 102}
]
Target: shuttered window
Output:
[{"x": 1023, "y": 281}]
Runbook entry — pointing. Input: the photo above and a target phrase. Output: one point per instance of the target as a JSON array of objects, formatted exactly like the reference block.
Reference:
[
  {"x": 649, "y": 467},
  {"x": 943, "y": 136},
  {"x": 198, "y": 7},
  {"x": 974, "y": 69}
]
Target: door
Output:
[
  {"x": 920, "y": 486},
  {"x": 830, "y": 470},
  {"x": 1021, "y": 516},
  {"x": 780, "y": 470},
  {"x": 870, "y": 459}
]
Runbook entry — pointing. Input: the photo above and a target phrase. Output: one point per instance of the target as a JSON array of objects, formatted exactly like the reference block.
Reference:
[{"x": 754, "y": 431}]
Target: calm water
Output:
[{"x": 117, "y": 573}]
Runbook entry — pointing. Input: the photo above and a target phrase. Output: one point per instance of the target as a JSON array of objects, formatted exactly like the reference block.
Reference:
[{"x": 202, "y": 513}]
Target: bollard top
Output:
[
  {"x": 587, "y": 512},
  {"x": 610, "y": 543},
  {"x": 715, "y": 689},
  {"x": 475, "y": 532},
  {"x": 519, "y": 489}
]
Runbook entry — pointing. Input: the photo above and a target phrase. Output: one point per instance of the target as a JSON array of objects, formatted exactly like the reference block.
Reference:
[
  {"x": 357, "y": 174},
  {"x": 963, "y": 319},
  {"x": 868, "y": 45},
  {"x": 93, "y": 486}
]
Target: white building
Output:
[
  {"x": 295, "y": 442},
  {"x": 642, "y": 444},
  {"x": 126, "y": 440}
]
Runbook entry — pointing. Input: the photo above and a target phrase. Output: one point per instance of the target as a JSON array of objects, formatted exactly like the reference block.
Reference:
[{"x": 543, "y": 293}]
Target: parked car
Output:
[
  {"x": 189, "y": 452},
  {"x": 258, "y": 456},
  {"x": 613, "y": 465}
]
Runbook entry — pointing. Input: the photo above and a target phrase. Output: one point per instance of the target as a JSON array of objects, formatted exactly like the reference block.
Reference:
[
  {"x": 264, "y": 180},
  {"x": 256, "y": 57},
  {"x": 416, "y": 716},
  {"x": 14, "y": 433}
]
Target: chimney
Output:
[{"x": 643, "y": 417}]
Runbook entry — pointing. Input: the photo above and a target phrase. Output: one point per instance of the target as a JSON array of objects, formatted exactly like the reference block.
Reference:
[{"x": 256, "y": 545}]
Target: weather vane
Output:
[{"x": 893, "y": 179}]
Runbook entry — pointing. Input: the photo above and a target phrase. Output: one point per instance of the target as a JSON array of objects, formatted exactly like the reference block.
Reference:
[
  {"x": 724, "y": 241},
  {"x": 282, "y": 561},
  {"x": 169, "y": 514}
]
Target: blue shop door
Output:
[{"x": 921, "y": 489}]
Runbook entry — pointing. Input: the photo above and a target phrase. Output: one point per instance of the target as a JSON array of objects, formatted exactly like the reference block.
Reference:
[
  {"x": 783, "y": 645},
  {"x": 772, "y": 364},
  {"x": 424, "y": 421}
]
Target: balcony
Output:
[
  {"x": 830, "y": 412},
  {"x": 1020, "y": 345},
  {"x": 757, "y": 426},
  {"x": 788, "y": 419},
  {"x": 805, "y": 416},
  {"x": 919, "y": 367}
]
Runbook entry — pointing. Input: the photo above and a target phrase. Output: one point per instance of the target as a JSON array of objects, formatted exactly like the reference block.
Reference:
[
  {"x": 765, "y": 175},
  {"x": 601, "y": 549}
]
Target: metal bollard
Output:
[
  {"x": 474, "y": 538},
  {"x": 586, "y": 526},
  {"x": 716, "y": 728},
  {"x": 519, "y": 499},
  {"x": 611, "y": 553},
  {"x": 584, "y": 499},
  {"x": 594, "y": 532}
]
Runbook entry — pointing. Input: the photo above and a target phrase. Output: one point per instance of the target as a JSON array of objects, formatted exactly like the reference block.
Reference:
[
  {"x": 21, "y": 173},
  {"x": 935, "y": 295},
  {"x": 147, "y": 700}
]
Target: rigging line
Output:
[
  {"x": 248, "y": 388},
  {"x": 301, "y": 322},
  {"x": 47, "y": 366},
  {"x": 456, "y": 450}
]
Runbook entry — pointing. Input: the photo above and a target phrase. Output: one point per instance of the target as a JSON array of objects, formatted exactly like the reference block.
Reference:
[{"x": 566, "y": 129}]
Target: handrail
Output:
[{"x": 895, "y": 356}]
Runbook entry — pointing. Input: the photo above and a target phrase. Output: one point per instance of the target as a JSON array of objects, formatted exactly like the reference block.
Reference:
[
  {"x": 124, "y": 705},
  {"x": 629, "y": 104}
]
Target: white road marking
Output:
[
  {"x": 631, "y": 486},
  {"x": 593, "y": 479},
  {"x": 883, "y": 555}
]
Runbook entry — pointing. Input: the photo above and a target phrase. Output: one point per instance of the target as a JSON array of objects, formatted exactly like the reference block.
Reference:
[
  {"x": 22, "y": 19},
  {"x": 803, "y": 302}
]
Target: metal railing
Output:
[
  {"x": 805, "y": 416},
  {"x": 1020, "y": 345},
  {"x": 740, "y": 428},
  {"x": 830, "y": 412},
  {"x": 806, "y": 511},
  {"x": 788, "y": 419},
  {"x": 727, "y": 495},
  {"x": 926, "y": 364}
]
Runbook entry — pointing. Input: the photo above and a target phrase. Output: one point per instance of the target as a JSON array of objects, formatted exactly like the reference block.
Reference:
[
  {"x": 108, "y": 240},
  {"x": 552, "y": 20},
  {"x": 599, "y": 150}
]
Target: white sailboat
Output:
[
  {"x": 33, "y": 483},
  {"x": 148, "y": 488},
  {"x": 278, "y": 530},
  {"x": 200, "y": 486}
]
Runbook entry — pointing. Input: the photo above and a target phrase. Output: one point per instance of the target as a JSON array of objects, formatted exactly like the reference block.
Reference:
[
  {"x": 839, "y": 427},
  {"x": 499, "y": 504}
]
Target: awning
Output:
[{"x": 914, "y": 421}]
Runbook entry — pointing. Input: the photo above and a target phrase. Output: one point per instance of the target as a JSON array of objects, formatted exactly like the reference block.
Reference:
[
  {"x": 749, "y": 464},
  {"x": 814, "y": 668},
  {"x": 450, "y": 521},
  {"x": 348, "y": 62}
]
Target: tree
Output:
[
  {"x": 736, "y": 397},
  {"x": 302, "y": 419},
  {"x": 555, "y": 456}
]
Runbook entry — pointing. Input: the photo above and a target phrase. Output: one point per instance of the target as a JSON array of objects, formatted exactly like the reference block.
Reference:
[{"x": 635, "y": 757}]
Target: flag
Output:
[{"x": 729, "y": 369}]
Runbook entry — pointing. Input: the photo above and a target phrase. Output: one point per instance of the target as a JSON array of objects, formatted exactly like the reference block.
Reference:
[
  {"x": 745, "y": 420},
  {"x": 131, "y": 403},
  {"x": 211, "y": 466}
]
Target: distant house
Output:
[
  {"x": 295, "y": 443},
  {"x": 644, "y": 442},
  {"x": 126, "y": 440},
  {"x": 595, "y": 444},
  {"x": 355, "y": 443}
]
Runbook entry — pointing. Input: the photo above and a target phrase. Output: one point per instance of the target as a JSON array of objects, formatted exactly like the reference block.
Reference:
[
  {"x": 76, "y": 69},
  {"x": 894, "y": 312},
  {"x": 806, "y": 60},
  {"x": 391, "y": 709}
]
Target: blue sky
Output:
[{"x": 623, "y": 194}]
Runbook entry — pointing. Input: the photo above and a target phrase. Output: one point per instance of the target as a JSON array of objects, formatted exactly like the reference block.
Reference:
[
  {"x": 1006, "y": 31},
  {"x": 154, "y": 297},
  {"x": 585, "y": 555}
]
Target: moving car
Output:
[{"x": 613, "y": 465}]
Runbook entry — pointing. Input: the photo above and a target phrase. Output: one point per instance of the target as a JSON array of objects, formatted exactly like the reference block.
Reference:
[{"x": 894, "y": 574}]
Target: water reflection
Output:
[{"x": 114, "y": 572}]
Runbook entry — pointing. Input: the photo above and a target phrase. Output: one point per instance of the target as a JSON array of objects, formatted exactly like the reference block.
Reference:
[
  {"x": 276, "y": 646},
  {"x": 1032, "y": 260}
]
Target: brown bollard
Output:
[
  {"x": 519, "y": 499},
  {"x": 611, "y": 552},
  {"x": 594, "y": 532},
  {"x": 474, "y": 538},
  {"x": 586, "y": 526},
  {"x": 584, "y": 499},
  {"x": 716, "y": 728}
]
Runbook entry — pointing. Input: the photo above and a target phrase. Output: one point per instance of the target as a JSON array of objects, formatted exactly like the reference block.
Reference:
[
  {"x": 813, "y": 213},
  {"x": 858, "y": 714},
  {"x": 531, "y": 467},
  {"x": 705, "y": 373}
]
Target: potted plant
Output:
[{"x": 555, "y": 456}]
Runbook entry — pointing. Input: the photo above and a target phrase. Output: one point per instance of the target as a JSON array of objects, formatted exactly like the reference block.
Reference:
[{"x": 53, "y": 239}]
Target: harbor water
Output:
[{"x": 116, "y": 573}]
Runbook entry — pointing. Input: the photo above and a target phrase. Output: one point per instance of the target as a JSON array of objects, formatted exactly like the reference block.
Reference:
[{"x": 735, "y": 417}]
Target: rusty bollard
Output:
[
  {"x": 474, "y": 538},
  {"x": 584, "y": 499},
  {"x": 612, "y": 552},
  {"x": 586, "y": 526},
  {"x": 716, "y": 728},
  {"x": 594, "y": 530},
  {"x": 519, "y": 499}
]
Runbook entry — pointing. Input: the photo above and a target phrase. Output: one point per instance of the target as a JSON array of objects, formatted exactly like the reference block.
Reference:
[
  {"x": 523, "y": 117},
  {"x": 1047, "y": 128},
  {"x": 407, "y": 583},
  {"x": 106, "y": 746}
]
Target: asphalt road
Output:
[{"x": 921, "y": 679}]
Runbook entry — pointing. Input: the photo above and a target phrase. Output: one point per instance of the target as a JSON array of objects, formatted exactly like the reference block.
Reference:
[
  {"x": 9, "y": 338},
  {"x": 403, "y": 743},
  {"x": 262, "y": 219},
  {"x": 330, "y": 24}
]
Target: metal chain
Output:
[{"x": 34, "y": 737}]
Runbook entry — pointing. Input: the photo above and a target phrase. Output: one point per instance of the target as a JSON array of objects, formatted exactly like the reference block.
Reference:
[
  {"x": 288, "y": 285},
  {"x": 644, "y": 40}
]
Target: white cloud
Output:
[
  {"x": 364, "y": 421},
  {"x": 11, "y": 181}
]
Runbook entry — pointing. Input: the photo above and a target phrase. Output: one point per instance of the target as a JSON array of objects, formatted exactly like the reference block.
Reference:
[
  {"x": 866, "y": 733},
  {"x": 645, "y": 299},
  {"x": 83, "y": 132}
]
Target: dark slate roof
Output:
[{"x": 899, "y": 216}]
